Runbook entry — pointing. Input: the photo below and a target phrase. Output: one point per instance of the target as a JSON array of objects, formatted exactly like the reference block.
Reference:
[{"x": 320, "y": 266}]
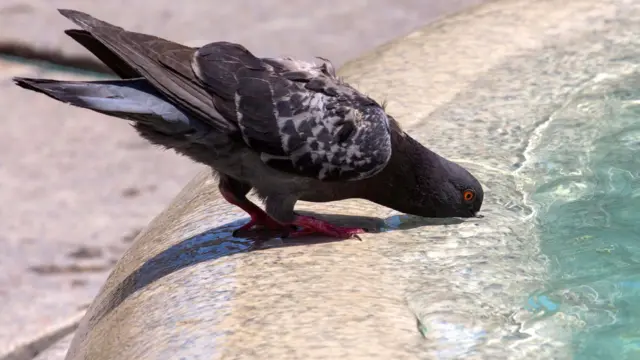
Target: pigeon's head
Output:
[
  {"x": 448, "y": 190},
  {"x": 426, "y": 184}
]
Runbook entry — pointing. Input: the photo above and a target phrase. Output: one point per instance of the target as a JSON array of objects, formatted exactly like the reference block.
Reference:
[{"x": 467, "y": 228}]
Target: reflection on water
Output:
[
  {"x": 404, "y": 221},
  {"x": 588, "y": 200}
]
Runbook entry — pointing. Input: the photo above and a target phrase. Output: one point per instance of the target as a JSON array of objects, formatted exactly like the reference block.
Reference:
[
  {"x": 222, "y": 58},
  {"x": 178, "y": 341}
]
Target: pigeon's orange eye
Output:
[{"x": 468, "y": 195}]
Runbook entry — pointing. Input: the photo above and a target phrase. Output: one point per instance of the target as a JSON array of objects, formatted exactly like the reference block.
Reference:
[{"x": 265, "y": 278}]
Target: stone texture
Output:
[
  {"x": 50, "y": 342},
  {"x": 474, "y": 87},
  {"x": 57, "y": 351}
]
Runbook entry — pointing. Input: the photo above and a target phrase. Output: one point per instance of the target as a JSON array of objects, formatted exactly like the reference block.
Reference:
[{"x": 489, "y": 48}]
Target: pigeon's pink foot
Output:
[
  {"x": 262, "y": 220},
  {"x": 312, "y": 226},
  {"x": 259, "y": 218}
]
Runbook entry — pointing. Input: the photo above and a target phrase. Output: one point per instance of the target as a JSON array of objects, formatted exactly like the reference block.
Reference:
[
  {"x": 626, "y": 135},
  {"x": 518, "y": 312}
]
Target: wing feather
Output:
[{"x": 299, "y": 117}]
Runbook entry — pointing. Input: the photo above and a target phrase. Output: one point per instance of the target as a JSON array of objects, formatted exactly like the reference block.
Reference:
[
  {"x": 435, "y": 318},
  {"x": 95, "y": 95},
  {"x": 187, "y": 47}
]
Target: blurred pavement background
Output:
[{"x": 77, "y": 186}]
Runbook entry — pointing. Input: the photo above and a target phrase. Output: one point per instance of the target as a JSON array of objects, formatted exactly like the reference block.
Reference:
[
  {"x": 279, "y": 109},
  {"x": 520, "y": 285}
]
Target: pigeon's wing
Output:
[
  {"x": 299, "y": 117},
  {"x": 165, "y": 64}
]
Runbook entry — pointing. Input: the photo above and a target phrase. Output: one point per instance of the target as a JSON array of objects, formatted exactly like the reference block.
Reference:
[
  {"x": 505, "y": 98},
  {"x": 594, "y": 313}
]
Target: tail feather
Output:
[
  {"x": 131, "y": 99},
  {"x": 164, "y": 63},
  {"x": 108, "y": 57}
]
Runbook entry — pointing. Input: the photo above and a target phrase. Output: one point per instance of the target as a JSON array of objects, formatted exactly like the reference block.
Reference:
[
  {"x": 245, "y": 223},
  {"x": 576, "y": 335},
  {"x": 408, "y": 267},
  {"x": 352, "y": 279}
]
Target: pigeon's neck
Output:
[{"x": 405, "y": 181}]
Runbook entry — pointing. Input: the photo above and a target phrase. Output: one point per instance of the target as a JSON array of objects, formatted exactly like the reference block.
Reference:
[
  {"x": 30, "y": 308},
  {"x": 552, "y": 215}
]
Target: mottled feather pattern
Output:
[
  {"x": 331, "y": 140},
  {"x": 299, "y": 116}
]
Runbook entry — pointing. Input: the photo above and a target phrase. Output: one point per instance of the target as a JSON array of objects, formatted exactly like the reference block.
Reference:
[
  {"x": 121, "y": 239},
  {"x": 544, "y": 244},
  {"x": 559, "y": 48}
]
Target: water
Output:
[{"x": 587, "y": 201}]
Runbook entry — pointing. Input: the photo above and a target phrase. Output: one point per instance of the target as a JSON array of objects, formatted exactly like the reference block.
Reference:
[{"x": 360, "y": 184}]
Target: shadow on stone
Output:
[{"x": 219, "y": 242}]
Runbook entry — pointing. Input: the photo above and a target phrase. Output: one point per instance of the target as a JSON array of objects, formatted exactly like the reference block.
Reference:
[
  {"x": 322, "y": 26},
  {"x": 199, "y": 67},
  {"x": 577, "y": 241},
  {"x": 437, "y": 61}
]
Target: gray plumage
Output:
[
  {"x": 132, "y": 99},
  {"x": 289, "y": 129}
]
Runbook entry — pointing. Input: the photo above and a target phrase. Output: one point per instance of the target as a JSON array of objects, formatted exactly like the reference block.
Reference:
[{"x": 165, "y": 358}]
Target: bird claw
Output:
[
  {"x": 259, "y": 221},
  {"x": 302, "y": 226},
  {"x": 309, "y": 226},
  {"x": 244, "y": 227}
]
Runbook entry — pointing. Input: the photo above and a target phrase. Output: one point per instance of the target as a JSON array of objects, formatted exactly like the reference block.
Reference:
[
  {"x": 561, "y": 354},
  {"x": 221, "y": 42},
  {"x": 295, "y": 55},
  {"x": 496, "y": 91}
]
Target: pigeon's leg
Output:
[
  {"x": 235, "y": 192},
  {"x": 280, "y": 207},
  {"x": 309, "y": 225}
]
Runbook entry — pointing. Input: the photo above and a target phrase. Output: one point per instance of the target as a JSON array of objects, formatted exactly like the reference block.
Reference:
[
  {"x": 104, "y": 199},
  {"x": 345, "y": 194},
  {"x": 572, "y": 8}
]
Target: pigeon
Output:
[{"x": 286, "y": 129}]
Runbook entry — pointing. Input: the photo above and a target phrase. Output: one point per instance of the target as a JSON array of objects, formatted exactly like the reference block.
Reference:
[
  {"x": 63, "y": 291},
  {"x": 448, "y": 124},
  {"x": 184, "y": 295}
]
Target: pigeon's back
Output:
[{"x": 298, "y": 118}]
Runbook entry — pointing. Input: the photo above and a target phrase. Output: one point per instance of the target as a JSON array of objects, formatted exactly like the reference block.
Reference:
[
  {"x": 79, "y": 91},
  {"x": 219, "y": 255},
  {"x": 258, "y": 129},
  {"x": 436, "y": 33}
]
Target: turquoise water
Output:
[{"x": 587, "y": 198}]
